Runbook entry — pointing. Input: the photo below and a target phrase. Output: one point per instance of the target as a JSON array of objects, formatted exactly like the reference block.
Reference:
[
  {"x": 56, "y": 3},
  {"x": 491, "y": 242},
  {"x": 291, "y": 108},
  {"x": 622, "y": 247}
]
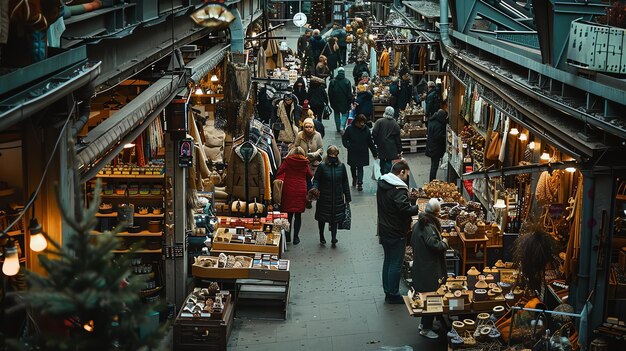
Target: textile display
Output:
[{"x": 235, "y": 107}]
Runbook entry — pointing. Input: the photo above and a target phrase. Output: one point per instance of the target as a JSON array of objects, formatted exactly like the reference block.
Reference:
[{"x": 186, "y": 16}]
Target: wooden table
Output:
[{"x": 475, "y": 244}]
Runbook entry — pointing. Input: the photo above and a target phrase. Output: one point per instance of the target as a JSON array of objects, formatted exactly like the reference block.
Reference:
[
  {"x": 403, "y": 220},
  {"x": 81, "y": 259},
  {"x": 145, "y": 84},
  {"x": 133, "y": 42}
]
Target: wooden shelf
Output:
[
  {"x": 131, "y": 176},
  {"x": 7, "y": 192},
  {"x": 157, "y": 251},
  {"x": 15, "y": 233},
  {"x": 139, "y": 234},
  {"x": 114, "y": 215},
  {"x": 131, "y": 197}
]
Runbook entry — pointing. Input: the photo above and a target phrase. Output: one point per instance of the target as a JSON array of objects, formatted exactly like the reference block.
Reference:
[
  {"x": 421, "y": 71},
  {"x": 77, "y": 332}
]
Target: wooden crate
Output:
[{"x": 203, "y": 334}]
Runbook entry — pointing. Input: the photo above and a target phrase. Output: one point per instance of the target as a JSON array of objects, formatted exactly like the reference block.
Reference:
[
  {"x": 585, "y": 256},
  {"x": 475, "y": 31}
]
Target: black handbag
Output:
[
  {"x": 327, "y": 112},
  {"x": 347, "y": 220}
]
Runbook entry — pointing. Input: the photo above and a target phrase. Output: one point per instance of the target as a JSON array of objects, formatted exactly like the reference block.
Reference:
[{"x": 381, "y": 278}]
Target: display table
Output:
[
  {"x": 476, "y": 307},
  {"x": 223, "y": 244},
  {"x": 475, "y": 244},
  {"x": 200, "y": 333}
]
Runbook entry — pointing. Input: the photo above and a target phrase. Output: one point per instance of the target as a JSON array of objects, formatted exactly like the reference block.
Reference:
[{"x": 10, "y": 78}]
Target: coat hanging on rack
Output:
[{"x": 245, "y": 170}]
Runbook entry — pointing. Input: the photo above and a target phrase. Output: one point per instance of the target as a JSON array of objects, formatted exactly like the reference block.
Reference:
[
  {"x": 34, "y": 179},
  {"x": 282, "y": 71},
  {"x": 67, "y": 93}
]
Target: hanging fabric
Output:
[
  {"x": 383, "y": 64},
  {"x": 261, "y": 64},
  {"x": 505, "y": 134}
]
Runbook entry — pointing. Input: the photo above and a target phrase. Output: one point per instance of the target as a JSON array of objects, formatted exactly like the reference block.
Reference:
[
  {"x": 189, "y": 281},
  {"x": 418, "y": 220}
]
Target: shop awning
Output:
[
  {"x": 34, "y": 99},
  {"x": 203, "y": 64},
  {"x": 108, "y": 138}
]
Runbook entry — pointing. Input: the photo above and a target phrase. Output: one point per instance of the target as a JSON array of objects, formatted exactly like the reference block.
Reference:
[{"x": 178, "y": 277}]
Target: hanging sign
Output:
[
  {"x": 299, "y": 19},
  {"x": 185, "y": 147}
]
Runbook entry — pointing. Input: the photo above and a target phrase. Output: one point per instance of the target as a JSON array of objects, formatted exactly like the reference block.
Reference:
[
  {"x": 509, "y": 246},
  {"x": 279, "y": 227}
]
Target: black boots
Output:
[
  {"x": 359, "y": 187},
  {"x": 322, "y": 239},
  {"x": 296, "y": 239},
  {"x": 334, "y": 239},
  {"x": 288, "y": 236}
]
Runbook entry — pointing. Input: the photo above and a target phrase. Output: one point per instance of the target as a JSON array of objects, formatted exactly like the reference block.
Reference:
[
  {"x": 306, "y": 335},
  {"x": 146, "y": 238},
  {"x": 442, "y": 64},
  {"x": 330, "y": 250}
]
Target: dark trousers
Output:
[
  {"x": 385, "y": 166},
  {"x": 357, "y": 174},
  {"x": 318, "y": 110},
  {"x": 392, "y": 264},
  {"x": 342, "y": 55},
  {"x": 434, "y": 166},
  {"x": 332, "y": 227},
  {"x": 294, "y": 225}
]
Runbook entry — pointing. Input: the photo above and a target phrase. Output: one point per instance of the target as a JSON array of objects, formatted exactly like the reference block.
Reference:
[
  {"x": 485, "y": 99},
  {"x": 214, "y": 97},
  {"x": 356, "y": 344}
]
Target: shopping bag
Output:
[
  {"x": 351, "y": 117},
  {"x": 347, "y": 220},
  {"x": 376, "y": 170},
  {"x": 327, "y": 112}
]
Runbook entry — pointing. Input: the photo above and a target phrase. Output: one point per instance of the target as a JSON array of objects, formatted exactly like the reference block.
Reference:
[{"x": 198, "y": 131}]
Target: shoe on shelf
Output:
[{"x": 427, "y": 333}]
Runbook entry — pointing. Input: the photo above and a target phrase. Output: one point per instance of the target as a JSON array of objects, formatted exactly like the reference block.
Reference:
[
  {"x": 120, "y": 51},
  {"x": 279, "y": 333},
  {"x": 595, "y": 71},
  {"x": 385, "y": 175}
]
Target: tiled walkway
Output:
[{"x": 337, "y": 301}]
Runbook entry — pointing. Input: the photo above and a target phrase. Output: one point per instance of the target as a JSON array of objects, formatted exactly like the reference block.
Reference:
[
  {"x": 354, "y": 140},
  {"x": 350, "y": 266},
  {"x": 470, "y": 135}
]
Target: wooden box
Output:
[
  {"x": 225, "y": 245},
  {"x": 200, "y": 334},
  {"x": 270, "y": 274},
  {"x": 216, "y": 272}
]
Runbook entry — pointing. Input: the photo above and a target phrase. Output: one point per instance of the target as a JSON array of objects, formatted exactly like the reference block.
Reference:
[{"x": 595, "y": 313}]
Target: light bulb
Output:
[
  {"x": 500, "y": 204},
  {"x": 531, "y": 145},
  {"x": 38, "y": 242},
  {"x": 11, "y": 262},
  {"x": 570, "y": 169},
  {"x": 545, "y": 156},
  {"x": 214, "y": 78},
  {"x": 523, "y": 137},
  {"x": 129, "y": 146},
  {"x": 514, "y": 131},
  {"x": 198, "y": 91}
]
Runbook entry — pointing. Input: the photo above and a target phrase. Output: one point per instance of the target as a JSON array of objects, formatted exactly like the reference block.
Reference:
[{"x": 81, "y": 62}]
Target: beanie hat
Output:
[
  {"x": 340, "y": 69},
  {"x": 308, "y": 121},
  {"x": 433, "y": 206},
  {"x": 305, "y": 105},
  {"x": 389, "y": 112},
  {"x": 365, "y": 75}
]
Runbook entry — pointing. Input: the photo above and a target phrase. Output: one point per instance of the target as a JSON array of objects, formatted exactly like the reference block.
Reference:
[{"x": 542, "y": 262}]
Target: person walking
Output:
[
  {"x": 311, "y": 142},
  {"x": 357, "y": 139},
  {"x": 432, "y": 97},
  {"x": 340, "y": 96},
  {"x": 394, "y": 219},
  {"x": 429, "y": 251},
  {"x": 285, "y": 122},
  {"x": 364, "y": 105},
  {"x": 401, "y": 92},
  {"x": 322, "y": 70},
  {"x": 318, "y": 98},
  {"x": 316, "y": 45},
  {"x": 294, "y": 172},
  {"x": 341, "y": 35},
  {"x": 331, "y": 51},
  {"x": 331, "y": 180},
  {"x": 359, "y": 68},
  {"x": 386, "y": 135},
  {"x": 303, "y": 44},
  {"x": 300, "y": 91},
  {"x": 436, "y": 141}
]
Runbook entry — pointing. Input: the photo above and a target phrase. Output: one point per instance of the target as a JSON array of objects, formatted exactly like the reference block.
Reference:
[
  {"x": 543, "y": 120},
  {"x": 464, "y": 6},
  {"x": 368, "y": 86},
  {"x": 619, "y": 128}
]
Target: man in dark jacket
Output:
[
  {"x": 317, "y": 96},
  {"x": 401, "y": 92},
  {"x": 316, "y": 44},
  {"x": 386, "y": 135},
  {"x": 303, "y": 44},
  {"x": 359, "y": 68},
  {"x": 364, "y": 103},
  {"x": 394, "y": 220},
  {"x": 340, "y": 96},
  {"x": 340, "y": 34},
  {"x": 357, "y": 139},
  {"x": 436, "y": 142},
  {"x": 433, "y": 102}
]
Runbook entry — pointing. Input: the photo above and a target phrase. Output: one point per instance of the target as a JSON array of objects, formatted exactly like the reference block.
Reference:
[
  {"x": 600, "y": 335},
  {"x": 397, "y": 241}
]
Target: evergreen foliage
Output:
[{"x": 89, "y": 300}]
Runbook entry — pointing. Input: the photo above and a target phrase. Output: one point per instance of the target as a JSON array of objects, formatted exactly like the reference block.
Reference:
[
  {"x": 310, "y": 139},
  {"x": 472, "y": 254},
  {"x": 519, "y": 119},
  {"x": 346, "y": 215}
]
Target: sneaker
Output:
[
  {"x": 434, "y": 328},
  {"x": 427, "y": 333}
]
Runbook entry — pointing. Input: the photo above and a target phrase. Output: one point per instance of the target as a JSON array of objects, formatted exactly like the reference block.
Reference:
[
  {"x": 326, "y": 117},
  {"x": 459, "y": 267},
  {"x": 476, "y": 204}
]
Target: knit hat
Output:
[
  {"x": 389, "y": 112},
  {"x": 431, "y": 83},
  {"x": 305, "y": 105},
  {"x": 308, "y": 121},
  {"x": 365, "y": 75},
  {"x": 433, "y": 206}
]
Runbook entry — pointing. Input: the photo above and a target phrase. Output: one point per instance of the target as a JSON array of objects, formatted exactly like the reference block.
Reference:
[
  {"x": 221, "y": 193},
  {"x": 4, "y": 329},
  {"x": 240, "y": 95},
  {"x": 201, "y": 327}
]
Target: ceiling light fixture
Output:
[{"x": 11, "y": 261}]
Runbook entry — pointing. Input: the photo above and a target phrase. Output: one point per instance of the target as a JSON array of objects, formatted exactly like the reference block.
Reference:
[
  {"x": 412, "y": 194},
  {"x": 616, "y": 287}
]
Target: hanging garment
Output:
[
  {"x": 266, "y": 179},
  {"x": 261, "y": 65},
  {"x": 383, "y": 64},
  {"x": 373, "y": 61},
  {"x": 505, "y": 134},
  {"x": 422, "y": 57},
  {"x": 478, "y": 107},
  {"x": 236, "y": 177}
]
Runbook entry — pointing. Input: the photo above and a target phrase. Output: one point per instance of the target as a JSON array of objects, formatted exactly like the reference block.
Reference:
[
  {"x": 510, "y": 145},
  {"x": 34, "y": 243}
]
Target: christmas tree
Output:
[
  {"x": 317, "y": 14},
  {"x": 88, "y": 291}
]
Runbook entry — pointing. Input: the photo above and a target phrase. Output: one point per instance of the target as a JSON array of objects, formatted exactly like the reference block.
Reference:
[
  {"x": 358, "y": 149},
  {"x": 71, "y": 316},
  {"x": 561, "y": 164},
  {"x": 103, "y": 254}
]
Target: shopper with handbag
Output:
[
  {"x": 340, "y": 96},
  {"x": 311, "y": 142},
  {"x": 331, "y": 181},
  {"x": 436, "y": 142},
  {"x": 318, "y": 98},
  {"x": 357, "y": 139},
  {"x": 294, "y": 172},
  {"x": 429, "y": 252}
]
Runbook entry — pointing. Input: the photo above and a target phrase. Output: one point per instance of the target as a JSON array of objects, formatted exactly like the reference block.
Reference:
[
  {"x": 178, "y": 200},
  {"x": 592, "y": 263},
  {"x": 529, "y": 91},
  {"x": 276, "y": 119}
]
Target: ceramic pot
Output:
[{"x": 154, "y": 226}]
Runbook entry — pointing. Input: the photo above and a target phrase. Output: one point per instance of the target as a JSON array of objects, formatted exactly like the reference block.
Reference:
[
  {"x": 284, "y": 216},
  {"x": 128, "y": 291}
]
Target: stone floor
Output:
[{"x": 337, "y": 301}]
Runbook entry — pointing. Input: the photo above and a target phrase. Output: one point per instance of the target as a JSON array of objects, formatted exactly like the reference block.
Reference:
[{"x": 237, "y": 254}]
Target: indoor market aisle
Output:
[{"x": 337, "y": 301}]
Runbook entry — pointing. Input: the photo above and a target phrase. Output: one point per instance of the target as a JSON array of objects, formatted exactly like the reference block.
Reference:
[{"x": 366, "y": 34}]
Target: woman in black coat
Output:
[
  {"x": 318, "y": 98},
  {"x": 331, "y": 51},
  {"x": 357, "y": 139},
  {"x": 429, "y": 250},
  {"x": 299, "y": 90},
  {"x": 364, "y": 105},
  {"x": 331, "y": 180},
  {"x": 436, "y": 142}
]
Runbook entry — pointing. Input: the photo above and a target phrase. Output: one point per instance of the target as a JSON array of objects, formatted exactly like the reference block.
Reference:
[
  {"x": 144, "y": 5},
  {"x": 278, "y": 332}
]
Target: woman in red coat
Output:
[{"x": 294, "y": 172}]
